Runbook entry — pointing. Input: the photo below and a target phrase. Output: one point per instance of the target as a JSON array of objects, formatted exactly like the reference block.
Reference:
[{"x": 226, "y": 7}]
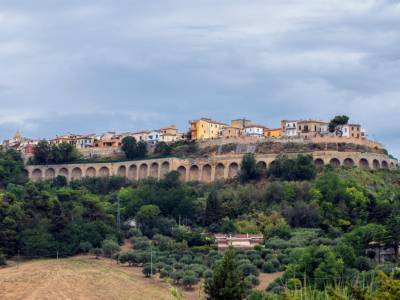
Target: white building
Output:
[
  {"x": 289, "y": 128},
  {"x": 254, "y": 130},
  {"x": 153, "y": 137},
  {"x": 85, "y": 141}
]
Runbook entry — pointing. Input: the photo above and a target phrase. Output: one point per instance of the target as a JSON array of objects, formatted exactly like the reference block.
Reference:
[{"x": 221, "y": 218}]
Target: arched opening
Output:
[
  {"x": 194, "y": 173},
  {"x": 76, "y": 173},
  {"x": 206, "y": 173},
  {"x": 132, "y": 172},
  {"x": 143, "y": 171},
  {"x": 364, "y": 163},
  {"x": 182, "y": 173},
  {"x": 334, "y": 162},
  {"x": 262, "y": 166},
  {"x": 375, "y": 164},
  {"x": 319, "y": 163},
  {"x": 219, "y": 171},
  {"x": 36, "y": 175},
  {"x": 104, "y": 172},
  {"x": 233, "y": 170},
  {"x": 392, "y": 165},
  {"x": 121, "y": 171},
  {"x": 63, "y": 172},
  {"x": 348, "y": 162},
  {"x": 154, "y": 170},
  {"x": 90, "y": 172},
  {"x": 385, "y": 164},
  {"x": 164, "y": 169},
  {"x": 50, "y": 173}
]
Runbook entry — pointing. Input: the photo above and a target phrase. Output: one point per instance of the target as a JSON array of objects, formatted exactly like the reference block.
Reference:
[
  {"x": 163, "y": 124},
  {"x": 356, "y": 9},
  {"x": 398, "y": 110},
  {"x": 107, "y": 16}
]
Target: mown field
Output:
[{"x": 86, "y": 278}]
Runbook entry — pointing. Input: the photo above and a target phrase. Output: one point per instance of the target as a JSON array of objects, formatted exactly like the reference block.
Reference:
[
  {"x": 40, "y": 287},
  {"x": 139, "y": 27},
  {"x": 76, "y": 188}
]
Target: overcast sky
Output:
[{"x": 92, "y": 66}]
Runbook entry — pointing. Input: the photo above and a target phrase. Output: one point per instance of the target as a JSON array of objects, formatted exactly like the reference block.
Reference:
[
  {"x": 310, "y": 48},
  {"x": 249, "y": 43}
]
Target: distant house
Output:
[
  {"x": 238, "y": 241},
  {"x": 85, "y": 141},
  {"x": 273, "y": 133},
  {"x": 380, "y": 252},
  {"x": 289, "y": 128},
  {"x": 254, "y": 130},
  {"x": 153, "y": 137},
  {"x": 206, "y": 128}
]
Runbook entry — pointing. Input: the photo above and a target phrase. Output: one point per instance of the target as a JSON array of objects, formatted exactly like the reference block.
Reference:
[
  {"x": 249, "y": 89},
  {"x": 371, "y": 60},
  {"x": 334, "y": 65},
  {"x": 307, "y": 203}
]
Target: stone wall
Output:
[{"x": 219, "y": 167}]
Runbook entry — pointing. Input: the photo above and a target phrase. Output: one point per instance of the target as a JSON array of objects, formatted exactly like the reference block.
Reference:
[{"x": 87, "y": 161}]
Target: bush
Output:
[
  {"x": 133, "y": 232},
  {"x": 3, "y": 261},
  {"x": 149, "y": 269},
  {"x": 96, "y": 252},
  {"x": 268, "y": 267},
  {"x": 109, "y": 247},
  {"x": 164, "y": 273},
  {"x": 252, "y": 281},
  {"x": 176, "y": 276},
  {"x": 207, "y": 274},
  {"x": 248, "y": 269},
  {"x": 85, "y": 247},
  {"x": 189, "y": 278},
  {"x": 274, "y": 287},
  {"x": 362, "y": 263},
  {"x": 127, "y": 257},
  {"x": 294, "y": 284}
]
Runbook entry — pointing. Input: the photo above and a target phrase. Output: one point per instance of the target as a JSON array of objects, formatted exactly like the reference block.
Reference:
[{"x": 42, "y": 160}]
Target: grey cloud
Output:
[{"x": 73, "y": 66}]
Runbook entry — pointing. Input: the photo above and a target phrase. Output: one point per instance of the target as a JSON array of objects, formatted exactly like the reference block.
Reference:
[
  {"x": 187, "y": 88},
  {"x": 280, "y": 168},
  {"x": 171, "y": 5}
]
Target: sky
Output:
[{"x": 93, "y": 66}]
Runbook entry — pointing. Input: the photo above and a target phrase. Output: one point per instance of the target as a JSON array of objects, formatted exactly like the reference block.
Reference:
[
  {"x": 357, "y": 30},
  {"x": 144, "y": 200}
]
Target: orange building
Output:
[{"x": 273, "y": 133}]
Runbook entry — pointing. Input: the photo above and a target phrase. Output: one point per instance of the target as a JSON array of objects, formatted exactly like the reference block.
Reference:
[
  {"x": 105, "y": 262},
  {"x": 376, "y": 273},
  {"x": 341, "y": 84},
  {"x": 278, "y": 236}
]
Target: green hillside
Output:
[{"x": 318, "y": 226}]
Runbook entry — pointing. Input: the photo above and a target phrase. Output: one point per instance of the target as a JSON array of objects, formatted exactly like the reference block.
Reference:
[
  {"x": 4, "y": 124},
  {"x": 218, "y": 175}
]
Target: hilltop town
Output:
[{"x": 204, "y": 130}]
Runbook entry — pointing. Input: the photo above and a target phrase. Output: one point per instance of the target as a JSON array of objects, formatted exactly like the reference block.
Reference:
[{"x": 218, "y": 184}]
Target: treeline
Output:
[
  {"x": 317, "y": 224},
  {"x": 46, "y": 153}
]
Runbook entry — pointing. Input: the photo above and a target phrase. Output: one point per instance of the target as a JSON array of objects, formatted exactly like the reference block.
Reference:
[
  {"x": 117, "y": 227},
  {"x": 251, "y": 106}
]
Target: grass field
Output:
[
  {"x": 80, "y": 278},
  {"x": 86, "y": 278}
]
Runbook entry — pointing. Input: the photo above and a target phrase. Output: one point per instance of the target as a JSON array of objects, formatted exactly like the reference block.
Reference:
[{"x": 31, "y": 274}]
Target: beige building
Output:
[
  {"x": 238, "y": 241},
  {"x": 170, "y": 134},
  {"x": 240, "y": 123},
  {"x": 205, "y": 128},
  {"x": 311, "y": 128},
  {"x": 353, "y": 131},
  {"x": 231, "y": 132}
]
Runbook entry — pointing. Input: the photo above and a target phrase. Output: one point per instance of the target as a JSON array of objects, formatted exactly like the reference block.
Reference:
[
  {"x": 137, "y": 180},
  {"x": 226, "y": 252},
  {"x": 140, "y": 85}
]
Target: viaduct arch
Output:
[{"x": 216, "y": 168}]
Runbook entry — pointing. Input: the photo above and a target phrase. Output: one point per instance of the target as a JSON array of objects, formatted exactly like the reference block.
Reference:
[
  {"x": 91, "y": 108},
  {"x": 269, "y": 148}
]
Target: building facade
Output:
[
  {"x": 273, "y": 133},
  {"x": 205, "y": 128}
]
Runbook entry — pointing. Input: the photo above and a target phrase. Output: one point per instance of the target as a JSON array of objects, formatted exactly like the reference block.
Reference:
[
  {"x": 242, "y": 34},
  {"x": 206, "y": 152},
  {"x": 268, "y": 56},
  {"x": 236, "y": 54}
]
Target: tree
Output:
[
  {"x": 63, "y": 153},
  {"x": 337, "y": 123},
  {"x": 162, "y": 148},
  {"x": 227, "y": 281},
  {"x": 146, "y": 217},
  {"x": 85, "y": 247},
  {"x": 149, "y": 269},
  {"x": 248, "y": 168},
  {"x": 96, "y": 252},
  {"x": 129, "y": 146},
  {"x": 189, "y": 279},
  {"x": 3, "y": 261},
  {"x": 213, "y": 213},
  {"x": 109, "y": 247},
  {"x": 42, "y": 152},
  {"x": 141, "y": 149}
]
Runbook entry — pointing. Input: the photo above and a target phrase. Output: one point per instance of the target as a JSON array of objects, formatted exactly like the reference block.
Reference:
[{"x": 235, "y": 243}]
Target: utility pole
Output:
[{"x": 151, "y": 260}]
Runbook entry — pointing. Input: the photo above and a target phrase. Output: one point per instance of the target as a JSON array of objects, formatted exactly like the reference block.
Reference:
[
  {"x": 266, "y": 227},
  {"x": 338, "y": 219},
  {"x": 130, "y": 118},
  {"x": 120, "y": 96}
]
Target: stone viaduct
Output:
[{"x": 200, "y": 169}]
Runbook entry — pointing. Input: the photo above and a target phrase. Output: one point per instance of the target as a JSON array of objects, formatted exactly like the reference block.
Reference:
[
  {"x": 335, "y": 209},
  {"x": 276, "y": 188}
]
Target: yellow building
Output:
[
  {"x": 205, "y": 128},
  {"x": 273, "y": 133}
]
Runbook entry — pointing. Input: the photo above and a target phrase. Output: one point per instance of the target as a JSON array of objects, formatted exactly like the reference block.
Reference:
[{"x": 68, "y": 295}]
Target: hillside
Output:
[
  {"x": 78, "y": 278},
  {"x": 317, "y": 223}
]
